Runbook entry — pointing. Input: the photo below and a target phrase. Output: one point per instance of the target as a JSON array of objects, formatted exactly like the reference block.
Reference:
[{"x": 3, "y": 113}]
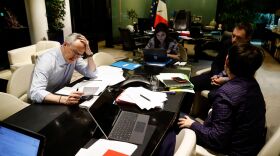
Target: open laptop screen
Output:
[
  {"x": 155, "y": 55},
  {"x": 18, "y": 141},
  {"x": 105, "y": 112}
]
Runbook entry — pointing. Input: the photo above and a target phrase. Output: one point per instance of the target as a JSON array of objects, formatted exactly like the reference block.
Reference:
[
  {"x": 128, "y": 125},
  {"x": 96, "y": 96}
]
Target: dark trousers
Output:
[
  {"x": 167, "y": 147},
  {"x": 202, "y": 82}
]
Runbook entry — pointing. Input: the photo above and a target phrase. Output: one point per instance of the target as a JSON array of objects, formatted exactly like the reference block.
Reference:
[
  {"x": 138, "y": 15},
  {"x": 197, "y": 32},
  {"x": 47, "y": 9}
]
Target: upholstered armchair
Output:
[{"x": 22, "y": 56}]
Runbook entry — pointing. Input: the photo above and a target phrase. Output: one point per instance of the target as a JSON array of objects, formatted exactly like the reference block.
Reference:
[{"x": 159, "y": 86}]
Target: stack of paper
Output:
[
  {"x": 165, "y": 77},
  {"x": 143, "y": 98},
  {"x": 112, "y": 75},
  {"x": 104, "y": 147}
]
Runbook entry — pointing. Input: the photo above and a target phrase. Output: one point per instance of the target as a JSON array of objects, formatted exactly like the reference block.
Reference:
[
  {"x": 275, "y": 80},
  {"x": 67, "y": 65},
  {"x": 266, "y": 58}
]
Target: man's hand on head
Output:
[{"x": 86, "y": 42}]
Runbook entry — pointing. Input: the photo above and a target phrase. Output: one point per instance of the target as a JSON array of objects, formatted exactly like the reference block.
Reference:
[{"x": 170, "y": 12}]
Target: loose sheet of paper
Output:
[
  {"x": 91, "y": 85},
  {"x": 112, "y": 75},
  {"x": 101, "y": 146},
  {"x": 143, "y": 97}
]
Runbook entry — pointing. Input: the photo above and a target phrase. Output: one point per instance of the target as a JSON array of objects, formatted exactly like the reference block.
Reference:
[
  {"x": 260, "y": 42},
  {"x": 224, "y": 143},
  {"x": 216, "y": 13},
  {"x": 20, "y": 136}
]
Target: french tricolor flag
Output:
[{"x": 161, "y": 14}]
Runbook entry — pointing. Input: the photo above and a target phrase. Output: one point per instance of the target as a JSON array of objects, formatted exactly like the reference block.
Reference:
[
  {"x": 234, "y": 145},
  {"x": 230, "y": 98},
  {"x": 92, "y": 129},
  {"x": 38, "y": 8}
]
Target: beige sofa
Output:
[{"x": 24, "y": 55}]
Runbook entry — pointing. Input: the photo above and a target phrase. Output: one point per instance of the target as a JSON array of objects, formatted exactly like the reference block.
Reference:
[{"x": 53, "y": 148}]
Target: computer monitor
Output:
[{"x": 144, "y": 24}]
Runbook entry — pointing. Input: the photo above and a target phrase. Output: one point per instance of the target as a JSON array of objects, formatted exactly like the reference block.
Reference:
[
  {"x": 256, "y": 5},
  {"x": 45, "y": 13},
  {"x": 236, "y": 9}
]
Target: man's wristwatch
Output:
[{"x": 89, "y": 55}]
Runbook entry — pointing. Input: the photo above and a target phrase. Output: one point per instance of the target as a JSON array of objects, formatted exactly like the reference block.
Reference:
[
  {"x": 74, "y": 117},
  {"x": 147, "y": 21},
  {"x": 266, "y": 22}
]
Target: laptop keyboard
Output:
[{"x": 124, "y": 126}]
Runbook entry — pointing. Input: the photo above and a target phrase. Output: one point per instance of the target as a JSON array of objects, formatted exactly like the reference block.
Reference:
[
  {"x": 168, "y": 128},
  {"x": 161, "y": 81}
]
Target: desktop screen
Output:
[{"x": 15, "y": 143}]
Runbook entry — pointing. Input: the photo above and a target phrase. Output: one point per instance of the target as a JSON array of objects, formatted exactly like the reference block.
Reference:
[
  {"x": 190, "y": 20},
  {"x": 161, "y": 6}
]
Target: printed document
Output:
[{"x": 103, "y": 146}]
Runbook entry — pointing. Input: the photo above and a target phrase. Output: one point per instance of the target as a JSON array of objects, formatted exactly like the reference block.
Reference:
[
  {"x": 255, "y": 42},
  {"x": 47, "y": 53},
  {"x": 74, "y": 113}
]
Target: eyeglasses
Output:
[{"x": 75, "y": 52}]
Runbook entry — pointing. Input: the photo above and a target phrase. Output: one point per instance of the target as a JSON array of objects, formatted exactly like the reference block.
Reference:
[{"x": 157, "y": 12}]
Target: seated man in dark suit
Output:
[
  {"x": 236, "y": 125},
  {"x": 241, "y": 34},
  {"x": 216, "y": 77}
]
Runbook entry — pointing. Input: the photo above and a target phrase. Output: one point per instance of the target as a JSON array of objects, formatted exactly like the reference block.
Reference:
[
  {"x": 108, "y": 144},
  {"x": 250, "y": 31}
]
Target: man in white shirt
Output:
[{"x": 54, "y": 69}]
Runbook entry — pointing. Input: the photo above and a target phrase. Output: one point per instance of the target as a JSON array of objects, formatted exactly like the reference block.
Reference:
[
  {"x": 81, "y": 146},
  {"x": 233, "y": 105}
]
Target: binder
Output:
[{"x": 172, "y": 83}]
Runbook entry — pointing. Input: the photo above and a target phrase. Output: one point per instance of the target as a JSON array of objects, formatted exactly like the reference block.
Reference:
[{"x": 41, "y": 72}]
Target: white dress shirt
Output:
[{"x": 52, "y": 72}]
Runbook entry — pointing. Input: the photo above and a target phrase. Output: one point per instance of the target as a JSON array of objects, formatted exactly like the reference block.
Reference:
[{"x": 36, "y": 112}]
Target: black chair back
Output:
[
  {"x": 182, "y": 20},
  {"x": 126, "y": 39}
]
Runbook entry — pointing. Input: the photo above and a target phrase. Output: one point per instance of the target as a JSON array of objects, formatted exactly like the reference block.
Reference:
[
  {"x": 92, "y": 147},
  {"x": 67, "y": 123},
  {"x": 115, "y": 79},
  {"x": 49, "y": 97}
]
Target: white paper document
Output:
[
  {"x": 143, "y": 98},
  {"x": 112, "y": 75},
  {"x": 96, "y": 86},
  {"x": 101, "y": 146}
]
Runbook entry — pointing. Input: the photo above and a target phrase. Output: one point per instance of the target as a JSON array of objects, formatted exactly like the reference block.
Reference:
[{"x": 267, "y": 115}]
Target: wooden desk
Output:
[{"x": 69, "y": 128}]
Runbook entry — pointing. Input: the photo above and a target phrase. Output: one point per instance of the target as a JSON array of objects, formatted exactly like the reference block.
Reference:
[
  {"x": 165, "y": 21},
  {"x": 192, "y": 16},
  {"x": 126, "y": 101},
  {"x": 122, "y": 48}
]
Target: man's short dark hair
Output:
[
  {"x": 247, "y": 27},
  {"x": 245, "y": 59}
]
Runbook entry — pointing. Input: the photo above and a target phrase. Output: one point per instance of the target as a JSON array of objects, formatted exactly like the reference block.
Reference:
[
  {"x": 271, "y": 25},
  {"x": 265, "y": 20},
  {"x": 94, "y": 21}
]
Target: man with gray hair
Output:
[{"x": 54, "y": 69}]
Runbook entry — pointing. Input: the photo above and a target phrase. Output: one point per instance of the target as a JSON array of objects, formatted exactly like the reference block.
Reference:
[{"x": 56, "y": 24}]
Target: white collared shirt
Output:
[{"x": 52, "y": 72}]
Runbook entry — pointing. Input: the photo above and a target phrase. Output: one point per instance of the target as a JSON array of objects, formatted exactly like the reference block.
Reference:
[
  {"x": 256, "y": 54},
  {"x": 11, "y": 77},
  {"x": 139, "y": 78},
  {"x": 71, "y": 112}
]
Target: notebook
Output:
[
  {"x": 172, "y": 83},
  {"x": 18, "y": 141},
  {"x": 112, "y": 121},
  {"x": 156, "y": 57}
]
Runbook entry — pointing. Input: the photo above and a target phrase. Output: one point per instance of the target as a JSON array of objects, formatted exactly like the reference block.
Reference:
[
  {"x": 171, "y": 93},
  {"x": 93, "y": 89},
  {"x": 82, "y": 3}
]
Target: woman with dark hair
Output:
[{"x": 161, "y": 39}]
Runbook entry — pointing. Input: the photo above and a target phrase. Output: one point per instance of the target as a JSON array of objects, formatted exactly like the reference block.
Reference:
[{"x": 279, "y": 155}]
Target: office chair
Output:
[
  {"x": 102, "y": 58},
  {"x": 131, "y": 42},
  {"x": 182, "y": 20},
  {"x": 10, "y": 105},
  {"x": 210, "y": 48},
  {"x": 19, "y": 82}
]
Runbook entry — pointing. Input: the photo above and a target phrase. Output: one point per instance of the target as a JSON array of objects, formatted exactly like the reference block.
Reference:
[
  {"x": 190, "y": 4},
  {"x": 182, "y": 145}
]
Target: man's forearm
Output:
[
  {"x": 55, "y": 99},
  {"x": 91, "y": 64}
]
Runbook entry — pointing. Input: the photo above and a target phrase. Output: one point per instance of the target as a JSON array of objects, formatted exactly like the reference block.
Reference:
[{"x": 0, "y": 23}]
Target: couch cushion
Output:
[
  {"x": 21, "y": 55},
  {"x": 13, "y": 67},
  {"x": 34, "y": 56},
  {"x": 42, "y": 45}
]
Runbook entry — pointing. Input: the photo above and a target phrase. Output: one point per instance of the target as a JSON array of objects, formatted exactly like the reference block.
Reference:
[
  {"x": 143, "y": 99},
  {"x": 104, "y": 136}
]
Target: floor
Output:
[{"x": 268, "y": 77}]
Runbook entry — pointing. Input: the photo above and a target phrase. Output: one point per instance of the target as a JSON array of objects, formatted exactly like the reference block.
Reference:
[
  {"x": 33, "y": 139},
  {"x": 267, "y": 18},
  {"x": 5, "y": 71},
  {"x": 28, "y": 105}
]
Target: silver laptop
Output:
[
  {"x": 18, "y": 141},
  {"x": 117, "y": 124}
]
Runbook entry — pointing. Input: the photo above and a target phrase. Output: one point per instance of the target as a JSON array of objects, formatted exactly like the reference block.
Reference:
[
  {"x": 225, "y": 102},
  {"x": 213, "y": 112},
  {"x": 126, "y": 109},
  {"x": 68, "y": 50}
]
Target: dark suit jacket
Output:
[{"x": 236, "y": 125}]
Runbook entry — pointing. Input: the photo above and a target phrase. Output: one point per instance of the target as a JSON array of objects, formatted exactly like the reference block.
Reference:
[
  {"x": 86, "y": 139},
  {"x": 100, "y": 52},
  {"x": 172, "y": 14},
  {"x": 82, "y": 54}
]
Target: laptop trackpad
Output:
[{"x": 139, "y": 130}]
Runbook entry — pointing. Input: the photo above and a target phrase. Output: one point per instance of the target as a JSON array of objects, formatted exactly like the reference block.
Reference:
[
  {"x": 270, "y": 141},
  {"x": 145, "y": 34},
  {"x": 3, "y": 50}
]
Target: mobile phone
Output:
[
  {"x": 180, "y": 80},
  {"x": 86, "y": 98}
]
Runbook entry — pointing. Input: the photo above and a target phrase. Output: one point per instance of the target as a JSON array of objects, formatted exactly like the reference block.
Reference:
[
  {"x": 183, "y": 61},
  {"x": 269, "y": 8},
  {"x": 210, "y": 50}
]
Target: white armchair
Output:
[
  {"x": 102, "y": 58},
  {"x": 20, "y": 81},
  {"x": 10, "y": 105},
  {"x": 185, "y": 143},
  {"x": 22, "y": 56}
]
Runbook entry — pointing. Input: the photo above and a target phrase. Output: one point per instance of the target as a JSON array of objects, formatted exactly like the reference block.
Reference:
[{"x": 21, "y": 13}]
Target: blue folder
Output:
[{"x": 126, "y": 65}]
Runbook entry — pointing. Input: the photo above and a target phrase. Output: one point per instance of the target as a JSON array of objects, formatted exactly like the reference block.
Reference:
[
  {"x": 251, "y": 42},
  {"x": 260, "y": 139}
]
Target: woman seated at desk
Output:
[{"x": 161, "y": 39}]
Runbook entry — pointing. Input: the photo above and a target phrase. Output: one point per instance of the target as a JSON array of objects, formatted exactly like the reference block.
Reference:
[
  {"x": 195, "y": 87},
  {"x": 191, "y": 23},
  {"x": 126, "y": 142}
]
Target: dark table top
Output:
[{"x": 69, "y": 128}]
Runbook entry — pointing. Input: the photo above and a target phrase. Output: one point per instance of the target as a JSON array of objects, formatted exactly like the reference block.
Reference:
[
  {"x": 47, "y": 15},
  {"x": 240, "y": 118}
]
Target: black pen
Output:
[{"x": 144, "y": 97}]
